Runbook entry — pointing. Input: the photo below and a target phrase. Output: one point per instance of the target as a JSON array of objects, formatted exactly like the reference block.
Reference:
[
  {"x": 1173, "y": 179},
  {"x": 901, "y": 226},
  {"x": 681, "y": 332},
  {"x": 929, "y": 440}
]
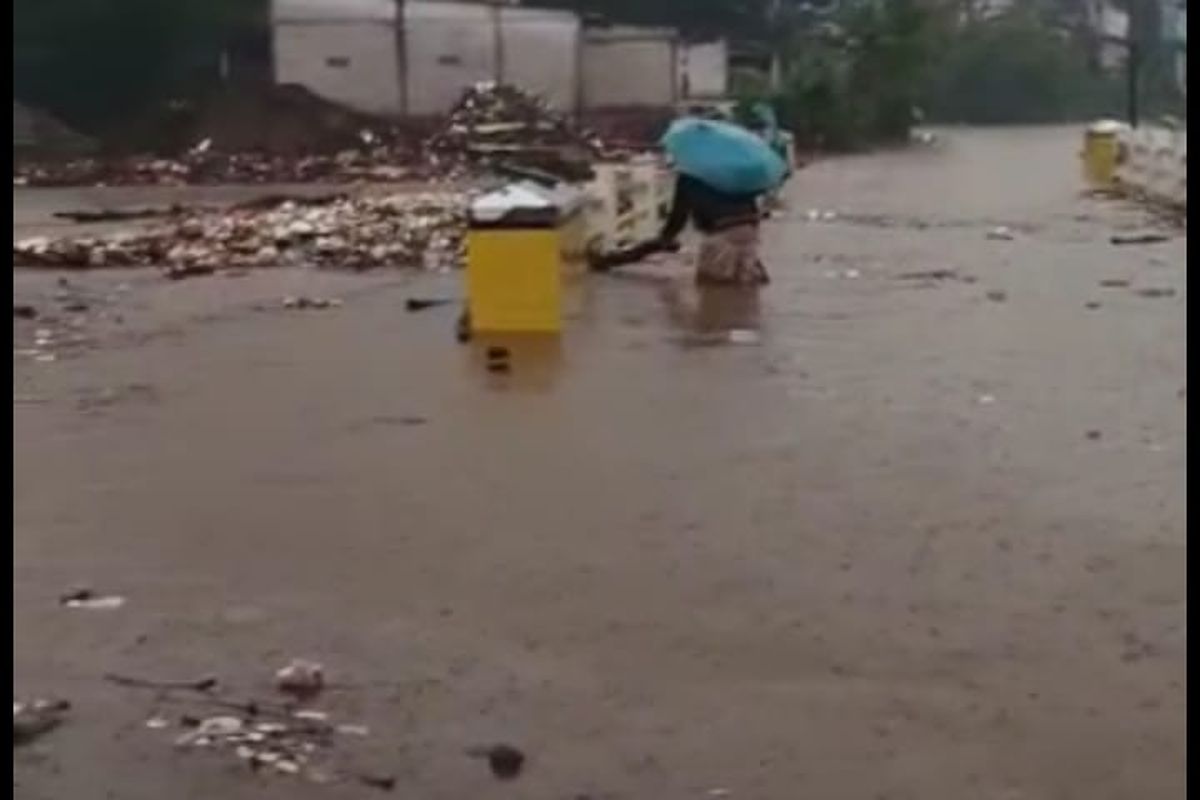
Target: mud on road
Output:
[{"x": 925, "y": 539}]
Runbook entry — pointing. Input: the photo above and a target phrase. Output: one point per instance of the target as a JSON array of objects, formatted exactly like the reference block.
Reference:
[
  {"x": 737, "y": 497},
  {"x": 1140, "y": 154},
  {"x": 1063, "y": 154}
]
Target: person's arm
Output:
[{"x": 680, "y": 211}]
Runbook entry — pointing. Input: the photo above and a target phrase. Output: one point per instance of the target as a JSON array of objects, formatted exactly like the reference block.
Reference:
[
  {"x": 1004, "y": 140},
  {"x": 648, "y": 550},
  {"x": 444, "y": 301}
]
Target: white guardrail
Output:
[{"x": 1154, "y": 161}]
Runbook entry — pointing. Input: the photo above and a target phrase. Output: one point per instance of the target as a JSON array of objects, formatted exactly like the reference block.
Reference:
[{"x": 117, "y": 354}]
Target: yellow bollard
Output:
[
  {"x": 525, "y": 249},
  {"x": 1102, "y": 153}
]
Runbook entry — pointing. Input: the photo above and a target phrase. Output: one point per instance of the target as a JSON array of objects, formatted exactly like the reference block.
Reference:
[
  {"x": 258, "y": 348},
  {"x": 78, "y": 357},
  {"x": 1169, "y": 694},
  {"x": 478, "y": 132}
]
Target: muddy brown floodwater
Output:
[{"x": 924, "y": 540}]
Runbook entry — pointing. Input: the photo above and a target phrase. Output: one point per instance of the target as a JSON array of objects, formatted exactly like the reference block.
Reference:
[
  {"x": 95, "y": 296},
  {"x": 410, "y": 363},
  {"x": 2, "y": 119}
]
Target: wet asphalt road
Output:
[{"x": 925, "y": 540}]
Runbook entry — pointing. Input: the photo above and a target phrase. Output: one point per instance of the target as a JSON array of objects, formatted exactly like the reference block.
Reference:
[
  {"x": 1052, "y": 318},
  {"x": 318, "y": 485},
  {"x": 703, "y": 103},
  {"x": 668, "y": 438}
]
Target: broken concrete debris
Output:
[
  {"x": 492, "y": 129},
  {"x": 502, "y": 124},
  {"x": 284, "y": 738},
  {"x": 404, "y": 229},
  {"x": 292, "y": 743}
]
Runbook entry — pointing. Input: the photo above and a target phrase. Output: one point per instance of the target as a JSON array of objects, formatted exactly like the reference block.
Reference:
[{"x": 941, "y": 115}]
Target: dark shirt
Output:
[{"x": 708, "y": 208}]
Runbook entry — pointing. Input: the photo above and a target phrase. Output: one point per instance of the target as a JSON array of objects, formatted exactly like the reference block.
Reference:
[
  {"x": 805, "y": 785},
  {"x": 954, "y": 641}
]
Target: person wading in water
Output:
[{"x": 729, "y": 223}]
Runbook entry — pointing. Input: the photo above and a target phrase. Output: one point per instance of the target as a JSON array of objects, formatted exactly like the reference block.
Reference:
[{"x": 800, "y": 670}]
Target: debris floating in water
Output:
[
  {"x": 87, "y": 599},
  {"x": 301, "y": 678},
  {"x": 505, "y": 760},
  {"x": 34, "y": 719}
]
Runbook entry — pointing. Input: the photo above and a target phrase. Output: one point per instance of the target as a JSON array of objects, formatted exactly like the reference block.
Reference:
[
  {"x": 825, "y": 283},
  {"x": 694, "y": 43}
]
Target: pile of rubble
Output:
[
  {"x": 492, "y": 125},
  {"x": 498, "y": 123},
  {"x": 358, "y": 232}
]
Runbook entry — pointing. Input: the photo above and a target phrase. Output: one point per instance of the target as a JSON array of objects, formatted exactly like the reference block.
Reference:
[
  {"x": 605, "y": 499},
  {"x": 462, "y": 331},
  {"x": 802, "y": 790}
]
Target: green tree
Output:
[
  {"x": 854, "y": 73},
  {"x": 1014, "y": 68}
]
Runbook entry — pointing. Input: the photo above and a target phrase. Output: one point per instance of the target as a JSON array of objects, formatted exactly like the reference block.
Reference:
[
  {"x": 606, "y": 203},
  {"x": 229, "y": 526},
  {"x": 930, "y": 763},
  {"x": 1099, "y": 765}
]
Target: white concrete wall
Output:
[
  {"x": 704, "y": 70},
  {"x": 448, "y": 46},
  {"x": 540, "y": 52},
  {"x": 353, "y": 63},
  {"x": 624, "y": 66},
  {"x": 333, "y": 10}
]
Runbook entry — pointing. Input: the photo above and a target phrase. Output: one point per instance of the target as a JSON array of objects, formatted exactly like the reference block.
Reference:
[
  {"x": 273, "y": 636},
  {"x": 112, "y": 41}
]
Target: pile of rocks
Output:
[{"x": 358, "y": 232}]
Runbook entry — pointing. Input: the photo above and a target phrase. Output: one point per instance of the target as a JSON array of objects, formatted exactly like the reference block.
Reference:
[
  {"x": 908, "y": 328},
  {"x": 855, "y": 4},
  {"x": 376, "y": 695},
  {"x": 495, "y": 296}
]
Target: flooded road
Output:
[{"x": 926, "y": 539}]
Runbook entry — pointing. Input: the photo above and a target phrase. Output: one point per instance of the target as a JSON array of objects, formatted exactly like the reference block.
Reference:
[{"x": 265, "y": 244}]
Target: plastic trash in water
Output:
[
  {"x": 301, "y": 678},
  {"x": 744, "y": 336},
  {"x": 33, "y": 719},
  {"x": 90, "y": 601},
  {"x": 505, "y": 761}
]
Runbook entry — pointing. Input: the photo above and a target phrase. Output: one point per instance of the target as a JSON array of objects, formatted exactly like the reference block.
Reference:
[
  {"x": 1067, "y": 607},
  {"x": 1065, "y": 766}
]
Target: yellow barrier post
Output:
[
  {"x": 1102, "y": 153},
  {"x": 525, "y": 245}
]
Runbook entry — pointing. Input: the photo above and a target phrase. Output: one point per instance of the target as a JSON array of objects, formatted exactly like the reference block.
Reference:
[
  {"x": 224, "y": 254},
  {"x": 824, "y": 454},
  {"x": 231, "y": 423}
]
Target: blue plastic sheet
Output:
[{"x": 727, "y": 157}]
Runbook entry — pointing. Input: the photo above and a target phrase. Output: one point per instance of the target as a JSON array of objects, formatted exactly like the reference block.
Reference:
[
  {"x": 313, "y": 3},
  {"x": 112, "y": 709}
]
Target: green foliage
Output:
[
  {"x": 852, "y": 80},
  {"x": 1015, "y": 69}
]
